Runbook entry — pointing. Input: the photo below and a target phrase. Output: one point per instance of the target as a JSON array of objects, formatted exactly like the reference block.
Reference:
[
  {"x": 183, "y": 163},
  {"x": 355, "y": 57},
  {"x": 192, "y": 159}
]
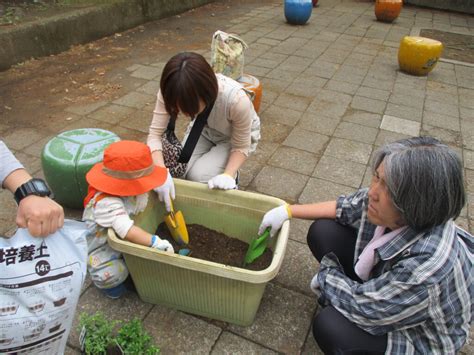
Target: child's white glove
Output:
[
  {"x": 166, "y": 192},
  {"x": 274, "y": 218},
  {"x": 223, "y": 182},
  {"x": 161, "y": 244}
]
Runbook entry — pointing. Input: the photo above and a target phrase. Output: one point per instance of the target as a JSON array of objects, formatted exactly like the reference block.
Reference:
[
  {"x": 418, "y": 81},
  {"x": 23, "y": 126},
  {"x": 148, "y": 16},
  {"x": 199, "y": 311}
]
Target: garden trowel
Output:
[
  {"x": 256, "y": 247},
  {"x": 175, "y": 222}
]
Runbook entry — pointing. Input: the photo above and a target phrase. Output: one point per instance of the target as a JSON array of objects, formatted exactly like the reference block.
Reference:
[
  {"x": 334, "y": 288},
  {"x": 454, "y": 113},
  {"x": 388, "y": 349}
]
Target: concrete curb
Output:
[{"x": 58, "y": 33}]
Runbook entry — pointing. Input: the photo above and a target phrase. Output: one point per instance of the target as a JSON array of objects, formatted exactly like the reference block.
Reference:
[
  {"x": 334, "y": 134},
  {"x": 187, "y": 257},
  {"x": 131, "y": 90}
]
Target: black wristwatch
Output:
[{"x": 32, "y": 187}]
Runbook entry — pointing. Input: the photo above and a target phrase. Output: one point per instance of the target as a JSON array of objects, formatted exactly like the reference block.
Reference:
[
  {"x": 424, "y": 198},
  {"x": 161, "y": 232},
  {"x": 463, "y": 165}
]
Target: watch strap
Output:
[{"x": 31, "y": 188}]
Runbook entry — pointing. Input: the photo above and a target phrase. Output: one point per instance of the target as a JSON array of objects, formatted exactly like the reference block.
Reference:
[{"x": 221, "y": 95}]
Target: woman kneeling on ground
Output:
[
  {"x": 396, "y": 272},
  {"x": 189, "y": 86}
]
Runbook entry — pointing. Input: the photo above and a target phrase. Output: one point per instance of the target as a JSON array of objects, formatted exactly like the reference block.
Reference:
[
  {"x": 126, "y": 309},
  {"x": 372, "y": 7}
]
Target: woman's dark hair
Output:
[
  {"x": 186, "y": 79},
  {"x": 425, "y": 180}
]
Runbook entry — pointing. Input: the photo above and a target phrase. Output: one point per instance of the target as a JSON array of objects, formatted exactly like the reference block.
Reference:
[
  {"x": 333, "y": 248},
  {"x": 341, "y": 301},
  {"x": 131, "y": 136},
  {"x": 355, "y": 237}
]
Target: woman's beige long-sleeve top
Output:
[{"x": 233, "y": 115}]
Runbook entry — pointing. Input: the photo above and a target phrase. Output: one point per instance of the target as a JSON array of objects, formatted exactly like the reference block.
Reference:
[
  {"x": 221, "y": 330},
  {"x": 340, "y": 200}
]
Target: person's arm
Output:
[
  {"x": 166, "y": 192},
  {"x": 236, "y": 159},
  {"x": 110, "y": 212},
  {"x": 138, "y": 236},
  {"x": 346, "y": 210},
  {"x": 241, "y": 113},
  {"x": 275, "y": 218},
  {"x": 157, "y": 127},
  {"x": 314, "y": 210},
  {"x": 158, "y": 158},
  {"x": 41, "y": 215}
]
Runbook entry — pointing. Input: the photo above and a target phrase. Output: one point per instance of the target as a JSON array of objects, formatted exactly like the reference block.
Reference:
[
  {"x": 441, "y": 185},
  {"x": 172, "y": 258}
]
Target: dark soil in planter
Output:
[{"x": 210, "y": 245}]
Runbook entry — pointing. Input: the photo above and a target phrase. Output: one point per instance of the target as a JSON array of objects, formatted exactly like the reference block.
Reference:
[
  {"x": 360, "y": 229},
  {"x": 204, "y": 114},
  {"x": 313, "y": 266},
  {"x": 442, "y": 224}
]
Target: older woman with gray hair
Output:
[{"x": 396, "y": 272}]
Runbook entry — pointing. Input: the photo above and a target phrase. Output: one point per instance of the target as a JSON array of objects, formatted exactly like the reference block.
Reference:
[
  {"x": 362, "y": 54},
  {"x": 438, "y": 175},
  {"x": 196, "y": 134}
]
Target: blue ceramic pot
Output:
[{"x": 298, "y": 12}]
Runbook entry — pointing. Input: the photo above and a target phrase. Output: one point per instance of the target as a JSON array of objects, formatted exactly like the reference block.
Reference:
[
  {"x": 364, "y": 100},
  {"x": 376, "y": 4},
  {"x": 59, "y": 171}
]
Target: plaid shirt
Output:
[{"x": 420, "y": 292}]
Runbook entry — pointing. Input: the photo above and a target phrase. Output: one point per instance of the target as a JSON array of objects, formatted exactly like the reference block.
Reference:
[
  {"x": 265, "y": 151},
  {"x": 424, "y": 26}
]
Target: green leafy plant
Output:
[
  {"x": 99, "y": 332},
  {"x": 100, "y": 336},
  {"x": 134, "y": 340}
]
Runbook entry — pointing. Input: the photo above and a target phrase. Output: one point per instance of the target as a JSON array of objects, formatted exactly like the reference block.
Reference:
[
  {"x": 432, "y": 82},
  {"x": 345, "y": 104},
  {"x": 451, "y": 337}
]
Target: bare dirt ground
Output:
[
  {"x": 41, "y": 88},
  {"x": 456, "y": 46}
]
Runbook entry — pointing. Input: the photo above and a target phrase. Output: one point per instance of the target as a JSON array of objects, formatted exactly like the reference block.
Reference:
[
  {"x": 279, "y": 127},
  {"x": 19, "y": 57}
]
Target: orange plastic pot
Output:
[
  {"x": 252, "y": 85},
  {"x": 387, "y": 10}
]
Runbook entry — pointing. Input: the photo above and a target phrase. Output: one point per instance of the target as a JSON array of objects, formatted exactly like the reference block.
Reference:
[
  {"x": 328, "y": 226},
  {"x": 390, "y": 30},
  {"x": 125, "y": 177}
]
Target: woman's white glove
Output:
[
  {"x": 166, "y": 192},
  {"x": 161, "y": 244},
  {"x": 223, "y": 182},
  {"x": 274, "y": 219}
]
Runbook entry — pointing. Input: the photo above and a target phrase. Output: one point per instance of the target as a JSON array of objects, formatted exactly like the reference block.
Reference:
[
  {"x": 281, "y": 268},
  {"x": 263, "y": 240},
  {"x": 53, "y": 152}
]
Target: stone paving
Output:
[{"x": 332, "y": 93}]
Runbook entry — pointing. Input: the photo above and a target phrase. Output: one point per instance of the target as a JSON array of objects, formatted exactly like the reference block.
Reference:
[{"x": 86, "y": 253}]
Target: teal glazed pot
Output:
[{"x": 298, "y": 12}]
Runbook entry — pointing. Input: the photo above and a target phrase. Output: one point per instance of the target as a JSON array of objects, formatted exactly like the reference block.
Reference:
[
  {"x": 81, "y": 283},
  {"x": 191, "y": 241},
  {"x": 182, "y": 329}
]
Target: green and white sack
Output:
[{"x": 227, "y": 54}]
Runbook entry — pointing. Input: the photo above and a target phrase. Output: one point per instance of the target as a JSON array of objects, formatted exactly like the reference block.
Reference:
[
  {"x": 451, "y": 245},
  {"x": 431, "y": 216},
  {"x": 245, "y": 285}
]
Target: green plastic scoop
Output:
[{"x": 256, "y": 247}]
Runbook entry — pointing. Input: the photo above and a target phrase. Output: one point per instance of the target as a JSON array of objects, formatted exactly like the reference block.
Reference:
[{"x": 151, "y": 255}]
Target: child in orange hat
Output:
[{"x": 118, "y": 188}]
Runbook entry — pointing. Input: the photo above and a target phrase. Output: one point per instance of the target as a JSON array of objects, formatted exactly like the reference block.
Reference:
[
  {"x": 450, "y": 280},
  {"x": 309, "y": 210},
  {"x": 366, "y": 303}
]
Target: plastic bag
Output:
[
  {"x": 227, "y": 54},
  {"x": 40, "y": 285}
]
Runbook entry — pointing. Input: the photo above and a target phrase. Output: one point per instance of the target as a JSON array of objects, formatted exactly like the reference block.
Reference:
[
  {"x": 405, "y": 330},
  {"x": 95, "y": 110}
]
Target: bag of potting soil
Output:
[{"x": 40, "y": 284}]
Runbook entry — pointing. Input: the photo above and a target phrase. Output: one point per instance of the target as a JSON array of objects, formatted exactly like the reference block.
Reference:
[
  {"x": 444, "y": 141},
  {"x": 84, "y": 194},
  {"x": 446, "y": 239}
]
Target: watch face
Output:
[{"x": 40, "y": 187}]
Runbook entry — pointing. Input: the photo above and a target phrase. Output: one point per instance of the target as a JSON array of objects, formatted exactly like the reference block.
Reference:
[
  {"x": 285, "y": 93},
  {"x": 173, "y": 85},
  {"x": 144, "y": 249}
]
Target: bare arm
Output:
[
  {"x": 16, "y": 179},
  {"x": 236, "y": 159},
  {"x": 315, "y": 210},
  {"x": 41, "y": 215},
  {"x": 138, "y": 236}
]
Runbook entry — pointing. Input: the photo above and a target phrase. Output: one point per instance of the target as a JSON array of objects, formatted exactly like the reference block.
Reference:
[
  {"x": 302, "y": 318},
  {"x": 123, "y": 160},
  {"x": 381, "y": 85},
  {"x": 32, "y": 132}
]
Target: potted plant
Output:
[
  {"x": 98, "y": 336},
  {"x": 96, "y": 333},
  {"x": 134, "y": 340}
]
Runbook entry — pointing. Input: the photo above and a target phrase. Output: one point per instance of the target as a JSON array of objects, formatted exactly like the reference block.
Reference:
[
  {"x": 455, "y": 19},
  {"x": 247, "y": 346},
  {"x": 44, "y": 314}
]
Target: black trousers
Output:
[{"x": 332, "y": 331}]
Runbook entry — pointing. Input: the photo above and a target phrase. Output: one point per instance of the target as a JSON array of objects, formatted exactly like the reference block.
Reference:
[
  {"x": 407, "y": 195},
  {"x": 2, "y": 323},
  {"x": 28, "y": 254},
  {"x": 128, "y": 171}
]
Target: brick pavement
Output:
[{"x": 332, "y": 93}]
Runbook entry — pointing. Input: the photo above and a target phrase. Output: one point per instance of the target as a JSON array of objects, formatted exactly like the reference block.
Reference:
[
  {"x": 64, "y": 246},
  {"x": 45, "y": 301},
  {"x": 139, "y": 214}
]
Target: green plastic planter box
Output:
[
  {"x": 209, "y": 289},
  {"x": 68, "y": 157}
]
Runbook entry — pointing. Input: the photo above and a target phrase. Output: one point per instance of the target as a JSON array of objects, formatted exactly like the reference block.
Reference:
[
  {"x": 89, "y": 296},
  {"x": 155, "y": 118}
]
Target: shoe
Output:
[
  {"x": 129, "y": 285},
  {"x": 114, "y": 292}
]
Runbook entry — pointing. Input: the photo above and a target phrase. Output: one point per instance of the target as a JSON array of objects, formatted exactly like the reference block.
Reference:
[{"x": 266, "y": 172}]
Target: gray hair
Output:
[{"x": 425, "y": 180}]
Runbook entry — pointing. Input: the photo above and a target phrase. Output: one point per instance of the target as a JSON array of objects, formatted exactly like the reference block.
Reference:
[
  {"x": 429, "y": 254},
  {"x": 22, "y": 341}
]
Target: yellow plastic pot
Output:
[{"x": 418, "y": 55}]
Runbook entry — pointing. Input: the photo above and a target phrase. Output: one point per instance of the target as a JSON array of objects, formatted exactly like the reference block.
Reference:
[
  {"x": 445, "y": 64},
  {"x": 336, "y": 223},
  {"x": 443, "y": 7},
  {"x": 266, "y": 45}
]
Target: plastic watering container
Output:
[{"x": 205, "y": 288}]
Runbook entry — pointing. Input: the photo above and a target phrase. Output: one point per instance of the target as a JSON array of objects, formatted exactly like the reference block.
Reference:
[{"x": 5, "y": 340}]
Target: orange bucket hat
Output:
[{"x": 126, "y": 170}]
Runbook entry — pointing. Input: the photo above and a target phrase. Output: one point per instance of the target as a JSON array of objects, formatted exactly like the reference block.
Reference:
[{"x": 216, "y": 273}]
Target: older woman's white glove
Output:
[
  {"x": 161, "y": 244},
  {"x": 223, "y": 182},
  {"x": 166, "y": 192},
  {"x": 274, "y": 219}
]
